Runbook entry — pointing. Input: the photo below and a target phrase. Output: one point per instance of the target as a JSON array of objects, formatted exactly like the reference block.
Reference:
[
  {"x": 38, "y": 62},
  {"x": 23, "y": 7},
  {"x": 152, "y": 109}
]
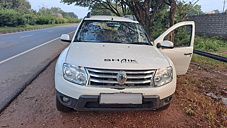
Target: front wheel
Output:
[
  {"x": 164, "y": 107},
  {"x": 61, "y": 107}
]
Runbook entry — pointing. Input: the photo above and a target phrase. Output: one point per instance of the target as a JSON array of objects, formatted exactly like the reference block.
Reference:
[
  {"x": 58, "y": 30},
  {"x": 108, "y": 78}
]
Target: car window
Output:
[
  {"x": 181, "y": 37},
  {"x": 112, "y": 32}
]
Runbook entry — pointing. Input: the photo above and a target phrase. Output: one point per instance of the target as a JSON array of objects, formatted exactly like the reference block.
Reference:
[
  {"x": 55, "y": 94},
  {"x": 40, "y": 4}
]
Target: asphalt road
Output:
[{"x": 24, "y": 55}]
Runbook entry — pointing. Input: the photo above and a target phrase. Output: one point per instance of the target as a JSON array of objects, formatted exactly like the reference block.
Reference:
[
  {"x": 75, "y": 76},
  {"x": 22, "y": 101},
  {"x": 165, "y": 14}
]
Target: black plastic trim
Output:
[{"x": 91, "y": 103}]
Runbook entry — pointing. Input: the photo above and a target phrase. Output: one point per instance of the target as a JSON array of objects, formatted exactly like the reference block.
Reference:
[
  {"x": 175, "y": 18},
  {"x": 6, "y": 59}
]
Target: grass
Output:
[
  {"x": 4, "y": 29},
  {"x": 213, "y": 45},
  {"x": 210, "y": 63},
  {"x": 191, "y": 91},
  {"x": 192, "y": 87}
]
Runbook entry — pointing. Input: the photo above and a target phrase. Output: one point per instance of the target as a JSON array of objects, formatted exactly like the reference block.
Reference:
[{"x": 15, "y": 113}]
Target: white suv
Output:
[{"x": 112, "y": 65}]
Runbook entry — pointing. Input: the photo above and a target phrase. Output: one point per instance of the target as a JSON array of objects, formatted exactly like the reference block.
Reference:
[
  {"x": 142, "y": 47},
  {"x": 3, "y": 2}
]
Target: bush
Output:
[
  {"x": 11, "y": 18},
  {"x": 209, "y": 44},
  {"x": 49, "y": 19},
  {"x": 72, "y": 20},
  {"x": 59, "y": 21},
  {"x": 31, "y": 19},
  {"x": 43, "y": 19}
]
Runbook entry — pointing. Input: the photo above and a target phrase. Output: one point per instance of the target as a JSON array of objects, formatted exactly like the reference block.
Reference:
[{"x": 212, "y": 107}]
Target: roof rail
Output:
[
  {"x": 132, "y": 17},
  {"x": 88, "y": 15}
]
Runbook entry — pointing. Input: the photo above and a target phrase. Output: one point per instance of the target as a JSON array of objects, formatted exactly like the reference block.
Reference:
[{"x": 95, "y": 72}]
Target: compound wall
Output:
[{"x": 211, "y": 24}]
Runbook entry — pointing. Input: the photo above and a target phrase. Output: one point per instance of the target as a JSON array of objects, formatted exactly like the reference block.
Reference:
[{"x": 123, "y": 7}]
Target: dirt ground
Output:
[{"x": 35, "y": 108}]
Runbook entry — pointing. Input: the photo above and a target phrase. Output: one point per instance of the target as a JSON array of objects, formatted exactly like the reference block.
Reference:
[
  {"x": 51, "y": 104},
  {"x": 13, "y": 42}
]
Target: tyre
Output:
[
  {"x": 164, "y": 107},
  {"x": 61, "y": 107}
]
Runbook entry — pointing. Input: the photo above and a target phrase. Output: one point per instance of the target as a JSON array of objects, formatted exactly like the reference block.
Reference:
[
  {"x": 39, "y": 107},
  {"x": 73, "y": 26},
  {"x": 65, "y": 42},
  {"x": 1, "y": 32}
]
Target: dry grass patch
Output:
[{"x": 192, "y": 89}]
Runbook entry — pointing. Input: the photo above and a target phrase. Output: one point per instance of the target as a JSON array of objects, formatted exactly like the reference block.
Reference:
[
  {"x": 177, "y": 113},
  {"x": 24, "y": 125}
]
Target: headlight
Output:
[
  {"x": 163, "y": 76},
  {"x": 75, "y": 74}
]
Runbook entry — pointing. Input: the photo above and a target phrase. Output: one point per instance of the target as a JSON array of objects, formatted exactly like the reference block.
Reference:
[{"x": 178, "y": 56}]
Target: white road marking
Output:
[
  {"x": 25, "y": 36},
  {"x": 51, "y": 31},
  {"x": 1, "y": 62}
]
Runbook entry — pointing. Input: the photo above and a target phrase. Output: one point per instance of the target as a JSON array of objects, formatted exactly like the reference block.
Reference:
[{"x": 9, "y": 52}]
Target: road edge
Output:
[
  {"x": 34, "y": 76},
  {"x": 30, "y": 29},
  {"x": 21, "y": 30}
]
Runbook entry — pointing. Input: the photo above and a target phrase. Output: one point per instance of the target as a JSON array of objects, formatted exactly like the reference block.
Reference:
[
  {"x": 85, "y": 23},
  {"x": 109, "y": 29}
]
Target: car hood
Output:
[{"x": 115, "y": 56}]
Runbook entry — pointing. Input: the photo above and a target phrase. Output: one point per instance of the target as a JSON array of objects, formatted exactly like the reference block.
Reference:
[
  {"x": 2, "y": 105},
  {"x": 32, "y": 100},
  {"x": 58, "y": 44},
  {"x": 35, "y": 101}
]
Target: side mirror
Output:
[
  {"x": 65, "y": 38},
  {"x": 152, "y": 41},
  {"x": 165, "y": 44}
]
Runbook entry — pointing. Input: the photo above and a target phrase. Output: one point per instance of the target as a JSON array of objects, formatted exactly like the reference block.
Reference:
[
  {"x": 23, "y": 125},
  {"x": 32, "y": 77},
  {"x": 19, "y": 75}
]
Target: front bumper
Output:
[{"x": 91, "y": 102}]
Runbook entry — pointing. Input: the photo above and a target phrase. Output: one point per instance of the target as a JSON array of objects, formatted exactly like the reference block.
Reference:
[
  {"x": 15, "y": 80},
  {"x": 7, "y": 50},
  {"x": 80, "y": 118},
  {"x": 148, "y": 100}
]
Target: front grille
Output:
[{"x": 108, "y": 77}]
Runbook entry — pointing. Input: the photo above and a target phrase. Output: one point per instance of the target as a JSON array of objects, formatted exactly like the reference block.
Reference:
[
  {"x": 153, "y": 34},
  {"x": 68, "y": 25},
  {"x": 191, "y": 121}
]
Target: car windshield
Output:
[{"x": 112, "y": 32}]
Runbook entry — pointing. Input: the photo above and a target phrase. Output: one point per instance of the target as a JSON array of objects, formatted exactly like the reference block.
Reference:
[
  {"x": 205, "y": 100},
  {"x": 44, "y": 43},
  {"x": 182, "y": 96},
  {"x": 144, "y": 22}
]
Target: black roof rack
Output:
[
  {"x": 88, "y": 15},
  {"x": 132, "y": 17}
]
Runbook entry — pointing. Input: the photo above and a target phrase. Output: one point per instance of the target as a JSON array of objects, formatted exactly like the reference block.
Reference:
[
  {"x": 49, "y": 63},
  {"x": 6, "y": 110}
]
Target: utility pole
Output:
[{"x": 224, "y": 6}]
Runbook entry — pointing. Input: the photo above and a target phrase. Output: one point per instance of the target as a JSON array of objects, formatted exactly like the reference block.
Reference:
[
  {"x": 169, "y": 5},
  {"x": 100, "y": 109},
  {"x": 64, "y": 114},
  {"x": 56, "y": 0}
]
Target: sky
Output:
[
  {"x": 79, "y": 11},
  {"x": 207, "y": 5},
  {"x": 210, "y": 5}
]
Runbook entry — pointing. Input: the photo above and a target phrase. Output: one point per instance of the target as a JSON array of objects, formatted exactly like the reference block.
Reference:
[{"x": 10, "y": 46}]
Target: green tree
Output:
[
  {"x": 195, "y": 10},
  {"x": 217, "y": 11},
  {"x": 71, "y": 14},
  {"x": 5, "y": 4},
  {"x": 11, "y": 18},
  {"x": 161, "y": 20},
  {"x": 21, "y": 6},
  {"x": 152, "y": 14},
  {"x": 144, "y": 10},
  {"x": 97, "y": 9},
  {"x": 55, "y": 10},
  {"x": 187, "y": 9},
  {"x": 45, "y": 11}
]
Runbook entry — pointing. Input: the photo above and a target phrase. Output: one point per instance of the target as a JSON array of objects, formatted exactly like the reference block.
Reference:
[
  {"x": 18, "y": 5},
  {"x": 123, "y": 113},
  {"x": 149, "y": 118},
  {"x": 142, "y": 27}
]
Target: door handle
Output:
[{"x": 186, "y": 54}]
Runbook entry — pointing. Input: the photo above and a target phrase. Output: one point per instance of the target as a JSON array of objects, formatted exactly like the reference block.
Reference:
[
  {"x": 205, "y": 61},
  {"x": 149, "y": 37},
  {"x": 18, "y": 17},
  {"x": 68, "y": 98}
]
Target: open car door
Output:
[{"x": 182, "y": 36}]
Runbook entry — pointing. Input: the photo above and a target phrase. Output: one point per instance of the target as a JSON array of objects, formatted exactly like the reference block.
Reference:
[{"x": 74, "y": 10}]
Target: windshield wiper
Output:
[
  {"x": 141, "y": 43},
  {"x": 110, "y": 41},
  {"x": 104, "y": 41}
]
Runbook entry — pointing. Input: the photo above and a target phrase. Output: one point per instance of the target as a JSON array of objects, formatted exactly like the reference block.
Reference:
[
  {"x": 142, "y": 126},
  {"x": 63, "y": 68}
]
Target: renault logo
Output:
[{"x": 121, "y": 77}]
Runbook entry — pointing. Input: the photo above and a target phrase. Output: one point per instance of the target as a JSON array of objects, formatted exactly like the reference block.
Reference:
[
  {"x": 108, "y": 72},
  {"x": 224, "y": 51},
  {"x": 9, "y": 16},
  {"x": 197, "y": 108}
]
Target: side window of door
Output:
[{"x": 181, "y": 37}]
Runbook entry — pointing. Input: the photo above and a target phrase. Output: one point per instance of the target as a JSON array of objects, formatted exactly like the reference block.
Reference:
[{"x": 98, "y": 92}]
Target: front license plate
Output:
[{"x": 121, "y": 98}]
